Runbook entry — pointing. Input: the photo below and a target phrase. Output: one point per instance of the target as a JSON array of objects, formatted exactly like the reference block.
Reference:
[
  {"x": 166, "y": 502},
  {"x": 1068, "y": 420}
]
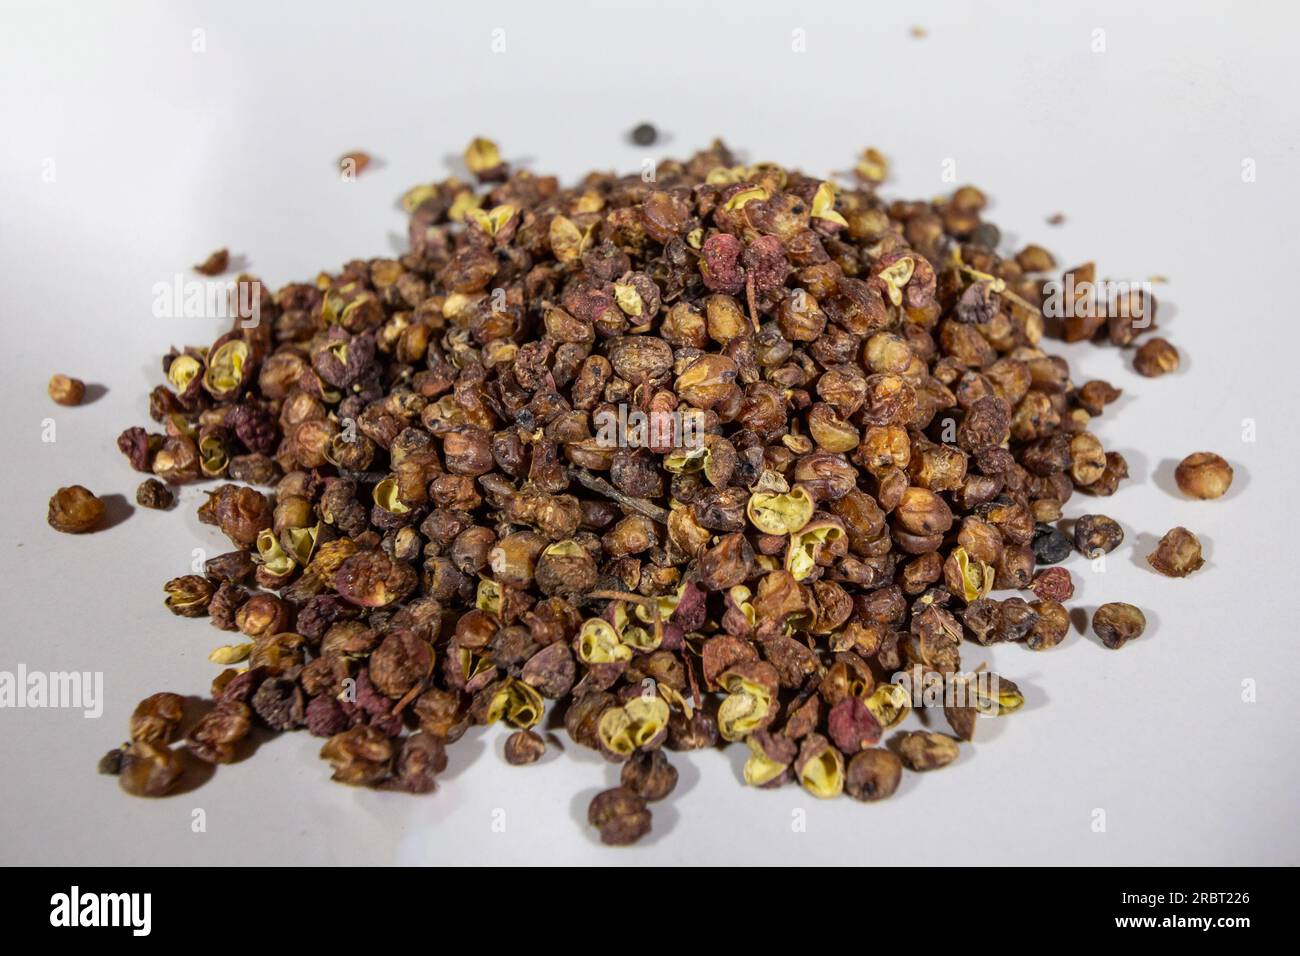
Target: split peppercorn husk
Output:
[{"x": 446, "y": 507}]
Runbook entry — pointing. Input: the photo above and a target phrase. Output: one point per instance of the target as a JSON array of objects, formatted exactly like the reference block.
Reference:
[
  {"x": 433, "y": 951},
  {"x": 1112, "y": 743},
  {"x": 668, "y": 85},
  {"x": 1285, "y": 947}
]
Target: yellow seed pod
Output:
[
  {"x": 628, "y": 299},
  {"x": 226, "y": 366},
  {"x": 590, "y": 201},
  {"x": 823, "y": 205},
  {"x": 746, "y": 196},
  {"x": 695, "y": 239},
  {"x": 872, "y": 166},
  {"x": 302, "y": 543},
  {"x": 492, "y": 221},
  {"x": 994, "y": 695},
  {"x": 741, "y": 595},
  {"x": 780, "y": 513},
  {"x": 488, "y": 596},
  {"x": 231, "y": 653},
  {"x": 675, "y": 699},
  {"x": 725, "y": 175},
  {"x": 565, "y": 549},
  {"x": 760, "y": 768},
  {"x": 385, "y": 496},
  {"x": 273, "y": 556},
  {"x": 462, "y": 204},
  {"x": 614, "y": 731},
  {"x": 823, "y": 774},
  {"x": 667, "y": 604},
  {"x": 975, "y": 576},
  {"x": 599, "y": 643},
  {"x": 482, "y": 156},
  {"x": 517, "y": 703},
  {"x": 641, "y": 638},
  {"x": 687, "y": 461},
  {"x": 624, "y": 729},
  {"x": 471, "y": 666},
  {"x": 182, "y": 371},
  {"x": 805, "y": 545},
  {"x": 896, "y": 276},
  {"x": 744, "y": 709},
  {"x": 212, "y": 455},
  {"x": 566, "y": 239},
  {"x": 414, "y": 196},
  {"x": 648, "y": 716},
  {"x": 889, "y": 704}
]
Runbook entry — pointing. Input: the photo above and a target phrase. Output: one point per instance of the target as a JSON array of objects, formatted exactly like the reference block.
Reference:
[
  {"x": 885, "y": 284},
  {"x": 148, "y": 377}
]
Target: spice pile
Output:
[{"x": 453, "y": 533}]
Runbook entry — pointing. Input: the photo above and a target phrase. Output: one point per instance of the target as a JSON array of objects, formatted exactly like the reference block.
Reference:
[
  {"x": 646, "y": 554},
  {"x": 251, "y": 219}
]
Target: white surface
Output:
[{"x": 162, "y": 154}]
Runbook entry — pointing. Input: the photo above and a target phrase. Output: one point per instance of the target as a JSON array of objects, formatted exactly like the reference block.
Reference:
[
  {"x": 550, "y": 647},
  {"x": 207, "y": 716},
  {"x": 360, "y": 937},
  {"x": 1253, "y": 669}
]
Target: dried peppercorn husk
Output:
[
  {"x": 712, "y": 457},
  {"x": 1177, "y": 554},
  {"x": 75, "y": 510}
]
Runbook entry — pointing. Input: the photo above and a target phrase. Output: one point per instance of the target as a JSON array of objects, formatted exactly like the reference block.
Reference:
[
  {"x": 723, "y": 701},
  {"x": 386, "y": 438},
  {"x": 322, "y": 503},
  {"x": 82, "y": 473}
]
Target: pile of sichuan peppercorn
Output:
[{"x": 433, "y": 527}]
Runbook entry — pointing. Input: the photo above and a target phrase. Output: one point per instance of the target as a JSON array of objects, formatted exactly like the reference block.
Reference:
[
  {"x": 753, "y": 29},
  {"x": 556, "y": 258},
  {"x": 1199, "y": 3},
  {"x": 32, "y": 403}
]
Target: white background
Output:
[{"x": 161, "y": 154}]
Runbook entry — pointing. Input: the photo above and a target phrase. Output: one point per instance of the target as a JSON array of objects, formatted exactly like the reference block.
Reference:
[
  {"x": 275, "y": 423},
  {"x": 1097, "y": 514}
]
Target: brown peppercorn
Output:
[
  {"x": 65, "y": 390},
  {"x": 1053, "y": 584},
  {"x": 1118, "y": 623},
  {"x": 873, "y": 774},
  {"x": 1177, "y": 555},
  {"x": 152, "y": 493},
  {"x": 215, "y": 264},
  {"x": 149, "y": 769},
  {"x": 649, "y": 775},
  {"x": 189, "y": 595},
  {"x": 1095, "y": 535},
  {"x": 922, "y": 750},
  {"x": 524, "y": 747},
  {"x": 1156, "y": 357},
  {"x": 156, "y": 718},
  {"x": 1051, "y": 627},
  {"x": 74, "y": 510},
  {"x": 360, "y": 756},
  {"x": 1203, "y": 475},
  {"x": 620, "y": 815},
  {"x": 263, "y": 614},
  {"x": 216, "y": 736}
]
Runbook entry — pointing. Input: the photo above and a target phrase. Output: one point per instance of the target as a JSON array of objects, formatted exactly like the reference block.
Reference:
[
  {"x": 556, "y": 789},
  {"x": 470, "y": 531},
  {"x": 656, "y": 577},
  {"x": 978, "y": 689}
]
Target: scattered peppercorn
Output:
[
  {"x": 1118, "y": 623},
  {"x": 1156, "y": 357},
  {"x": 74, "y": 510},
  {"x": 1203, "y": 475},
  {"x": 1177, "y": 555},
  {"x": 215, "y": 264},
  {"x": 620, "y": 815},
  {"x": 523, "y": 747},
  {"x": 152, "y": 493},
  {"x": 65, "y": 390},
  {"x": 1096, "y": 535}
]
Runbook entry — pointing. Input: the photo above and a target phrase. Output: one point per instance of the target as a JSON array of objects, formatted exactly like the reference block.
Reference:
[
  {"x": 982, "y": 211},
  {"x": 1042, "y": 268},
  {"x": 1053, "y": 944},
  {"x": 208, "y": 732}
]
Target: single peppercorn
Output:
[
  {"x": 215, "y": 264},
  {"x": 1156, "y": 357},
  {"x": 1177, "y": 555},
  {"x": 65, "y": 390},
  {"x": 524, "y": 747},
  {"x": 1203, "y": 475},
  {"x": 152, "y": 493},
  {"x": 620, "y": 815},
  {"x": 75, "y": 510},
  {"x": 1118, "y": 623},
  {"x": 1095, "y": 535},
  {"x": 873, "y": 774}
]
